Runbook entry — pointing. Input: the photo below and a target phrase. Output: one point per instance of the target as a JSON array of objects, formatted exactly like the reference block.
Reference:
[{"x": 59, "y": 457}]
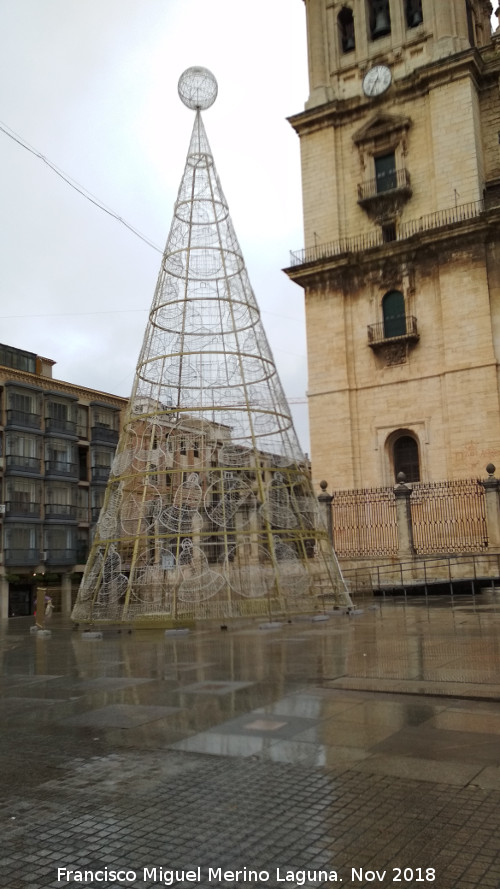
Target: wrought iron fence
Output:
[
  {"x": 446, "y": 517},
  {"x": 364, "y": 522},
  {"x": 449, "y": 517}
]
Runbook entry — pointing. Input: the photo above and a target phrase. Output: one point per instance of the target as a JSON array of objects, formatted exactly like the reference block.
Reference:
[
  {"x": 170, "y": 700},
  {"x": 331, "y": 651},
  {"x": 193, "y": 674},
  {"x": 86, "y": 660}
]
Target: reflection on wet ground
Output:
[
  {"x": 302, "y": 692},
  {"x": 397, "y": 704}
]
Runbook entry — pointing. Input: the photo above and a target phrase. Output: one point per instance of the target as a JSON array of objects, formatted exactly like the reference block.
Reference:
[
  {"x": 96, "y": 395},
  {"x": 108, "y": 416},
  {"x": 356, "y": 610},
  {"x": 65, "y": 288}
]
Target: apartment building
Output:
[{"x": 57, "y": 443}]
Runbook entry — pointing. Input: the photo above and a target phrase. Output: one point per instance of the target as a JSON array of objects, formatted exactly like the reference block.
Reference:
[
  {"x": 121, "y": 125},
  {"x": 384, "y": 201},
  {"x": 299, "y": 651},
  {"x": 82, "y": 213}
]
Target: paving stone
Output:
[{"x": 261, "y": 761}]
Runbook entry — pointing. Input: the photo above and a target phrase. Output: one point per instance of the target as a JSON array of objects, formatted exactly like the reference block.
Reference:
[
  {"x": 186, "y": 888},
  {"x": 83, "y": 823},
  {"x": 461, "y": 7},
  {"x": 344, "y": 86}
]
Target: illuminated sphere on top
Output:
[{"x": 197, "y": 88}]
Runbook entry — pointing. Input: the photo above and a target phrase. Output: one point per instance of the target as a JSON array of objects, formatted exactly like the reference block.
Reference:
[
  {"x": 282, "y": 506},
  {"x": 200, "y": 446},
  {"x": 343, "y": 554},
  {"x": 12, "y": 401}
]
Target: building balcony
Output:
[
  {"x": 100, "y": 473},
  {"x": 23, "y": 419},
  {"x": 395, "y": 180},
  {"x": 60, "y": 511},
  {"x": 383, "y": 197},
  {"x": 345, "y": 247},
  {"x": 18, "y": 464},
  {"x": 391, "y": 338},
  {"x": 403, "y": 328},
  {"x": 60, "y": 556},
  {"x": 104, "y": 434},
  {"x": 21, "y": 558},
  {"x": 59, "y": 425},
  {"x": 61, "y": 469},
  {"x": 22, "y": 509}
]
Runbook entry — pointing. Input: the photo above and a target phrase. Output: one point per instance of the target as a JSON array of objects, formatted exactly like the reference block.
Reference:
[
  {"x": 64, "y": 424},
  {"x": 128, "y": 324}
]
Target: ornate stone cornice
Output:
[
  {"x": 49, "y": 384},
  {"x": 481, "y": 66}
]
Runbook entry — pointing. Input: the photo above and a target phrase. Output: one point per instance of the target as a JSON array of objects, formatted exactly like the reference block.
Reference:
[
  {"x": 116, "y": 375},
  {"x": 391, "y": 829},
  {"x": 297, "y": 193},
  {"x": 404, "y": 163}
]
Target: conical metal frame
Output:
[{"x": 209, "y": 510}]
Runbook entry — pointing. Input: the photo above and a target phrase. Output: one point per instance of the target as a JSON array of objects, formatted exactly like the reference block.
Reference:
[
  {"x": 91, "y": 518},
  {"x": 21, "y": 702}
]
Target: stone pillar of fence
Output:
[
  {"x": 491, "y": 487},
  {"x": 66, "y": 593},
  {"x": 325, "y": 505},
  {"x": 4, "y": 598},
  {"x": 402, "y": 494}
]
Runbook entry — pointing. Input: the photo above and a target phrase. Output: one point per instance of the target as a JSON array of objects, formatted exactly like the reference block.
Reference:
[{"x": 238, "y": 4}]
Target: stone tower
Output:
[{"x": 401, "y": 267}]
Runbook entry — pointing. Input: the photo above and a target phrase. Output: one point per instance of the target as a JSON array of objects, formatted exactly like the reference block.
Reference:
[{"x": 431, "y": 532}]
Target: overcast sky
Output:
[{"x": 93, "y": 87}]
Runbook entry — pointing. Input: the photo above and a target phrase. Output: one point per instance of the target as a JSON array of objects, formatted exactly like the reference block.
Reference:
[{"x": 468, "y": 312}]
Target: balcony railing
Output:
[
  {"x": 105, "y": 434},
  {"x": 100, "y": 473},
  {"x": 393, "y": 181},
  {"x": 22, "y": 508},
  {"x": 375, "y": 238},
  {"x": 58, "y": 424},
  {"x": 60, "y": 556},
  {"x": 23, "y": 464},
  {"x": 61, "y": 468},
  {"x": 60, "y": 511},
  {"x": 21, "y": 556},
  {"x": 23, "y": 418},
  {"x": 403, "y": 328}
]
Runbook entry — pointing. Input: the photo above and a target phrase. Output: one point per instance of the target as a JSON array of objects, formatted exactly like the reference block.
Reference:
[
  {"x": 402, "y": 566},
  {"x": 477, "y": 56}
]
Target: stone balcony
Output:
[{"x": 342, "y": 248}]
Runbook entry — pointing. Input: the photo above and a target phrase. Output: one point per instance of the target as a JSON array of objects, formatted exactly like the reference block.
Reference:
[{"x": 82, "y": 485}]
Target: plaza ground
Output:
[{"x": 366, "y": 746}]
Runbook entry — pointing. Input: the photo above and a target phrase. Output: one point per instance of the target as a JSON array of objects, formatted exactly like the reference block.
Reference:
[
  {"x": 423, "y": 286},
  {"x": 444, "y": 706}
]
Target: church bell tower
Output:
[{"x": 400, "y": 146}]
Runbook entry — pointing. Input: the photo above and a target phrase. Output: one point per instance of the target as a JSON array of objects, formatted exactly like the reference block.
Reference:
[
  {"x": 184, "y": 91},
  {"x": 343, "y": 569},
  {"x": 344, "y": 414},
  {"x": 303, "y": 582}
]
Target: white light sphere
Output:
[{"x": 197, "y": 88}]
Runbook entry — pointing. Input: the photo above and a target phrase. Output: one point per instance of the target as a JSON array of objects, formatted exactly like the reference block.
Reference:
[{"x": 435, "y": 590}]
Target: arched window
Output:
[
  {"x": 393, "y": 312},
  {"x": 379, "y": 18},
  {"x": 405, "y": 458},
  {"x": 345, "y": 22},
  {"x": 414, "y": 14}
]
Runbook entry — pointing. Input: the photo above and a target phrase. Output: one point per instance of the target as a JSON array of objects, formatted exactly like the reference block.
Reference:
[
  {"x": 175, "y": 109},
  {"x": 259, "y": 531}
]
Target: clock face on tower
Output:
[{"x": 376, "y": 81}]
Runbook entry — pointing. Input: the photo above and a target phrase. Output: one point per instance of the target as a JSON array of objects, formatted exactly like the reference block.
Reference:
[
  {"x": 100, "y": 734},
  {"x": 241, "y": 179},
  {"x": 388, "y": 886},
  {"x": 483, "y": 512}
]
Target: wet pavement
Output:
[{"x": 363, "y": 749}]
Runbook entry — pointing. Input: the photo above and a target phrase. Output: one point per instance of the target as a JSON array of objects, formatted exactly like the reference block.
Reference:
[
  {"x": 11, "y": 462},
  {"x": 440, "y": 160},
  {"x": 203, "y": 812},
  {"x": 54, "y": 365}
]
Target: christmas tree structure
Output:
[{"x": 209, "y": 511}]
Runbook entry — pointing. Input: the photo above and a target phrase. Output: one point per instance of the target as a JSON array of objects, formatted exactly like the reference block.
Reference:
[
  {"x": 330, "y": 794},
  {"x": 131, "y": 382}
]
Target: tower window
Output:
[
  {"x": 393, "y": 312},
  {"x": 385, "y": 172},
  {"x": 379, "y": 18},
  {"x": 414, "y": 15},
  {"x": 389, "y": 232},
  {"x": 470, "y": 23},
  {"x": 406, "y": 459},
  {"x": 346, "y": 30}
]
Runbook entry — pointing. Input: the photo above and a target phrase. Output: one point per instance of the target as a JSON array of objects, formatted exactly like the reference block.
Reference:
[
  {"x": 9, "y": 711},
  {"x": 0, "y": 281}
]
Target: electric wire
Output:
[
  {"x": 81, "y": 190},
  {"x": 76, "y": 185}
]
